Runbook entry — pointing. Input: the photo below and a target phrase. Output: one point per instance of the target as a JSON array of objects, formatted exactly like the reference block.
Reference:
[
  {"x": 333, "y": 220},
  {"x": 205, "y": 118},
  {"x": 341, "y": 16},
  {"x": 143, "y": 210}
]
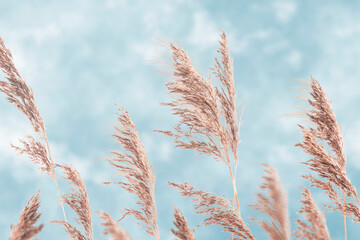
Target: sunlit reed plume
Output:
[
  {"x": 219, "y": 210},
  {"x": 315, "y": 228},
  {"x": 22, "y": 96},
  {"x": 135, "y": 167},
  {"x": 324, "y": 133},
  {"x": 208, "y": 119},
  {"x": 274, "y": 204},
  {"x": 79, "y": 202},
  {"x": 26, "y": 229},
  {"x": 112, "y": 228},
  {"x": 182, "y": 231}
]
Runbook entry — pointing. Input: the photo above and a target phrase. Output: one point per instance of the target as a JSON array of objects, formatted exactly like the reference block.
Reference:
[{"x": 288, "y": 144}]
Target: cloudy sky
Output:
[{"x": 82, "y": 57}]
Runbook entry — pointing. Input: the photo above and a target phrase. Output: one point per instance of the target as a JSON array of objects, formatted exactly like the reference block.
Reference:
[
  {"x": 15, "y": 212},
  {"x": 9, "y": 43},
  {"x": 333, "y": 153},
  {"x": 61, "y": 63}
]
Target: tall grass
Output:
[
  {"x": 26, "y": 229},
  {"x": 208, "y": 124}
]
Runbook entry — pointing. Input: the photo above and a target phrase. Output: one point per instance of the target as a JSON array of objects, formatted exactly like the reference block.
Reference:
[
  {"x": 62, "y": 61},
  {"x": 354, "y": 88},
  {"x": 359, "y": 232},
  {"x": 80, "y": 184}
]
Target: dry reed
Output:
[
  {"x": 22, "y": 96},
  {"x": 208, "y": 119},
  {"x": 182, "y": 231},
  {"x": 209, "y": 125},
  {"x": 329, "y": 166},
  {"x": 112, "y": 228},
  {"x": 274, "y": 205},
  {"x": 78, "y": 201},
  {"x": 207, "y": 114},
  {"x": 26, "y": 229},
  {"x": 135, "y": 167},
  {"x": 17, "y": 91},
  {"x": 316, "y": 228},
  {"x": 220, "y": 211}
]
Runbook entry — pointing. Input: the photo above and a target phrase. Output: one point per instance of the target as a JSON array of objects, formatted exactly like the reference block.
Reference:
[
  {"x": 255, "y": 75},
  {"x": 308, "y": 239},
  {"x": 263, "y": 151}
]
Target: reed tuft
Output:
[
  {"x": 274, "y": 205},
  {"x": 25, "y": 228},
  {"x": 135, "y": 167},
  {"x": 182, "y": 231}
]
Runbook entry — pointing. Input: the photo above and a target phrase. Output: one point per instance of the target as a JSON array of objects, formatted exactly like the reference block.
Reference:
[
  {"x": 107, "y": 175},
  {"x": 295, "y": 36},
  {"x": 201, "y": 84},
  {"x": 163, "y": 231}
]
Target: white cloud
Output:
[
  {"x": 147, "y": 50},
  {"x": 337, "y": 67},
  {"x": 158, "y": 16},
  {"x": 340, "y": 63},
  {"x": 45, "y": 33},
  {"x": 281, "y": 154},
  {"x": 352, "y": 139},
  {"x": 294, "y": 59},
  {"x": 284, "y": 10},
  {"x": 165, "y": 150},
  {"x": 348, "y": 30},
  {"x": 48, "y": 26},
  {"x": 204, "y": 33},
  {"x": 160, "y": 150},
  {"x": 11, "y": 130},
  {"x": 85, "y": 166},
  {"x": 272, "y": 47},
  {"x": 116, "y": 3},
  {"x": 345, "y": 25},
  {"x": 239, "y": 43}
]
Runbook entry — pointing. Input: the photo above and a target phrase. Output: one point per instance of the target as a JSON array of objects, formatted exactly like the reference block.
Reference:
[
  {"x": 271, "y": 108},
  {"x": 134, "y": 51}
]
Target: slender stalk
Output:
[
  {"x": 233, "y": 182},
  {"x": 55, "y": 178},
  {"x": 233, "y": 177},
  {"x": 61, "y": 201},
  {"x": 345, "y": 234},
  {"x": 235, "y": 191},
  {"x": 21, "y": 95},
  {"x": 235, "y": 171},
  {"x": 156, "y": 228}
]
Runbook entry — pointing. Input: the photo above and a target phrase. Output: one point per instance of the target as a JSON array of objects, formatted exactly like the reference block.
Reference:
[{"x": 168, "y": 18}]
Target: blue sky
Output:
[{"x": 82, "y": 57}]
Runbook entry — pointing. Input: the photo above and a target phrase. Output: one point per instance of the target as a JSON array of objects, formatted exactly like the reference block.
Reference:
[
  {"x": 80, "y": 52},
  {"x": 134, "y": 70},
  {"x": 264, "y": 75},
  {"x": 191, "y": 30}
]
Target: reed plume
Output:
[
  {"x": 224, "y": 71},
  {"x": 274, "y": 205},
  {"x": 78, "y": 201},
  {"x": 135, "y": 167},
  {"x": 196, "y": 104},
  {"x": 207, "y": 114},
  {"x": 329, "y": 166},
  {"x": 37, "y": 152},
  {"x": 182, "y": 231},
  {"x": 220, "y": 211},
  {"x": 316, "y": 228},
  {"x": 112, "y": 228},
  {"x": 26, "y": 229},
  {"x": 22, "y": 96},
  {"x": 208, "y": 119},
  {"x": 17, "y": 91}
]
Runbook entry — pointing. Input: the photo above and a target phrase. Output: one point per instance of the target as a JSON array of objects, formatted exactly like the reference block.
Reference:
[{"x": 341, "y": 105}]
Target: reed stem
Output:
[
  {"x": 236, "y": 198},
  {"x": 55, "y": 178},
  {"x": 345, "y": 233}
]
